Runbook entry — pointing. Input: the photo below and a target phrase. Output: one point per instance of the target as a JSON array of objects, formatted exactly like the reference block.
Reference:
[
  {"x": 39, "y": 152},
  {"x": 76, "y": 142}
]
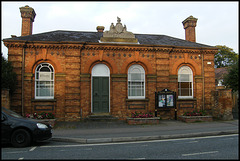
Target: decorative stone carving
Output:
[
  {"x": 27, "y": 12},
  {"x": 118, "y": 33}
]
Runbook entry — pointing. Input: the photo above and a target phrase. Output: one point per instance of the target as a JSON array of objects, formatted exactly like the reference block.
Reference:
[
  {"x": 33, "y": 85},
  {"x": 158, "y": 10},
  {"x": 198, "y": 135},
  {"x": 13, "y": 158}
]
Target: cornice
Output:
[{"x": 109, "y": 47}]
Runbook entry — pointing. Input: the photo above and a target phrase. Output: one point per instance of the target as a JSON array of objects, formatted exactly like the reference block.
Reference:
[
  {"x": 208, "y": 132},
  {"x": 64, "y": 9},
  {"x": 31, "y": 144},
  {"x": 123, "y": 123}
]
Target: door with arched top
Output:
[{"x": 100, "y": 89}]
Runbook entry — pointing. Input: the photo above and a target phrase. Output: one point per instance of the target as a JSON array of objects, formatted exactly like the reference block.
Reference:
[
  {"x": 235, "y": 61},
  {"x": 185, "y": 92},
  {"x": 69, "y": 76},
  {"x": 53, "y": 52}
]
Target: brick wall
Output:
[
  {"x": 223, "y": 104},
  {"x": 73, "y": 66}
]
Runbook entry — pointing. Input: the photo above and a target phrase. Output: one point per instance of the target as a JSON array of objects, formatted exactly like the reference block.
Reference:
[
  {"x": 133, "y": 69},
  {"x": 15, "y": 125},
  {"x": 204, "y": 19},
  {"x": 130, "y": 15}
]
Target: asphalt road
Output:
[{"x": 211, "y": 147}]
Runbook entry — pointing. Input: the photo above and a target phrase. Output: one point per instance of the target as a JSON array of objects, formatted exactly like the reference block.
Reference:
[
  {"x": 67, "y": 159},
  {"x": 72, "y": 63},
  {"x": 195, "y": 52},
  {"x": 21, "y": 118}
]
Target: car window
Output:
[{"x": 11, "y": 113}]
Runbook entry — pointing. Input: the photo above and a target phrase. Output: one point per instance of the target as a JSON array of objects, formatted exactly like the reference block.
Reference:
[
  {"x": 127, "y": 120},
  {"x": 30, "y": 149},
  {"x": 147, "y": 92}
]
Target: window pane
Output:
[
  {"x": 136, "y": 88},
  {"x": 44, "y": 92},
  {"x": 185, "y": 88},
  {"x": 45, "y": 69},
  {"x": 51, "y": 76},
  {"x": 44, "y": 81},
  {"x": 37, "y": 75},
  {"x": 184, "y": 78},
  {"x": 135, "y": 76}
]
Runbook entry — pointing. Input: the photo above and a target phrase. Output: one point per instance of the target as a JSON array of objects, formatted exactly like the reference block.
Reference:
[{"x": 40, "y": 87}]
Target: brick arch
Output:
[
  {"x": 100, "y": 62},
  {"x": 95, "y": 60},
  {"x": 56, "y": 66},
  {"x": 130, "y": 61},
  {"x": 192, "y": 64}
]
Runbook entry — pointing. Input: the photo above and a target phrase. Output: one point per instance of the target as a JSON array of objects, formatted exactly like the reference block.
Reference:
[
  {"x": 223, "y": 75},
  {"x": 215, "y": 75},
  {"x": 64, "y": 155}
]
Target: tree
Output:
[
  {"x": 225, "y": 57},
  {"x": 231, "y": 79},
  {"x": 8, "y": 77}
]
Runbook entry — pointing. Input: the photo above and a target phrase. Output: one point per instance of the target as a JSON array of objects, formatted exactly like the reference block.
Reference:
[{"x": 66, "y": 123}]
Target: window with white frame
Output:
[
  {"x": 44, "y": 81},
  {"x": 136, "y": 82},
  {"x": 220, "y": 82},
  {"x": 185, "y": 82}
]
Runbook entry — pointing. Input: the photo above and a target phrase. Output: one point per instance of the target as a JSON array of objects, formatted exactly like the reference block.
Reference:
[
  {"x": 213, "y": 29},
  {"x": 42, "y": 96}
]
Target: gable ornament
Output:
[{"x": 119, "y": 34}]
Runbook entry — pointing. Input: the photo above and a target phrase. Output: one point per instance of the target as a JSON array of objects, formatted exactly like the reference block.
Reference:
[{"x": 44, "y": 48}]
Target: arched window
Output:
[
  {"x": 44, "y": 81},
  {"x": 185, "y": 82},
  {"x": 136, "y": 82}
]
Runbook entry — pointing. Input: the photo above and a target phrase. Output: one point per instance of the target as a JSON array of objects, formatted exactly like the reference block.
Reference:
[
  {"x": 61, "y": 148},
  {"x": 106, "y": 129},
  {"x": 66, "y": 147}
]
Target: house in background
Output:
[
  {"x": 77, "y": 74},
  {"x": 219, "y": 74}
]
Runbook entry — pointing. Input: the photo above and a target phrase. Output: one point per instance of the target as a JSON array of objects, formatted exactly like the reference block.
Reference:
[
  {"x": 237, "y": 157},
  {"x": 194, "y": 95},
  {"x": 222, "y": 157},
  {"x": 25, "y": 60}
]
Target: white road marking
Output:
[
  {"x": 20, "y": 158},
  {"x": 209, "y": 152},
  {"x": 33, "y": 148},
  {"x": 192, "y": 142}
]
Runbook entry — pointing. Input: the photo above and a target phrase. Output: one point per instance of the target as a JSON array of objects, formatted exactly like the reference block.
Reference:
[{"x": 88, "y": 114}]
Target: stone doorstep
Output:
[{"x": 101, "y": 117}]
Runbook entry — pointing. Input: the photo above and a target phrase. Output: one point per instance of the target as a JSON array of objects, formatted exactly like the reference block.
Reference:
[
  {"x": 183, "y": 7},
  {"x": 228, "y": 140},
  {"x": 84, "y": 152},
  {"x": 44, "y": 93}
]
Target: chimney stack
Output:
[
  {"x": 189, "y": 25},
  {"x": 28, "y": 14},
  {"x": 100, "y": 28}
]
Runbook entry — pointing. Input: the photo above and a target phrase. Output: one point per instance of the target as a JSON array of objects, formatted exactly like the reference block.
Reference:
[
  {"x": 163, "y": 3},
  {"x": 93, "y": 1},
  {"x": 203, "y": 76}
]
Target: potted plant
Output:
[
  {"x": 139, "y": 118},
  {"x": 195, "y": 116},
  {"x": 48, "y": 117}
]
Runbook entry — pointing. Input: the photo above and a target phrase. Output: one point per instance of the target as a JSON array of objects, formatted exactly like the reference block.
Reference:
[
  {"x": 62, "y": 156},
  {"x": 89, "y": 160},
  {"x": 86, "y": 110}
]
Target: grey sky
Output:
[{"x": 217, "y": 21}]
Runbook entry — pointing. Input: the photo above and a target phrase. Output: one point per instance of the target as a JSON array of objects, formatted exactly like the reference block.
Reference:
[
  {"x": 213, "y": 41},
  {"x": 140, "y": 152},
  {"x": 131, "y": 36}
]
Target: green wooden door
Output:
[{"x": 100, "y": 94}]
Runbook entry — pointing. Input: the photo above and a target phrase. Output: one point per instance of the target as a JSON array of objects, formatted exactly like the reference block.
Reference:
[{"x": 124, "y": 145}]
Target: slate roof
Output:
[
  {"x": 82, "y": 36},
  {"x": 220, "y": 72}
]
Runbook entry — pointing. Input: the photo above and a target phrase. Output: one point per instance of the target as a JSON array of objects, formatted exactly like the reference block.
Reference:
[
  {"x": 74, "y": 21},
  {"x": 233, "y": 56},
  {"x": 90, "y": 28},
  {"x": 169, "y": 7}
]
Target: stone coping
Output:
[{"x": 148, "y": 118}]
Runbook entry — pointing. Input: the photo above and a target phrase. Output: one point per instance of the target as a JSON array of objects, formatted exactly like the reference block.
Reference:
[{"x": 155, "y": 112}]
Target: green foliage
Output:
[
  {"x": 225, "y": 57},
  {"x": 8, "y": 77},
  {"x": 43, "y": 115},
  {"x": 231, "y": 79}
]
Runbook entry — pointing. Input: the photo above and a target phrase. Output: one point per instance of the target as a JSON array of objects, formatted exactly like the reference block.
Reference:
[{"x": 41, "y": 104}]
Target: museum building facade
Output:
[{"x": 76, "y": 74}]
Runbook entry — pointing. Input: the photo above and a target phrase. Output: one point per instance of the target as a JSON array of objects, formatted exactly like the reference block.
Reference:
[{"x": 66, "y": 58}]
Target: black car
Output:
[{"x": 20, "y": 131}]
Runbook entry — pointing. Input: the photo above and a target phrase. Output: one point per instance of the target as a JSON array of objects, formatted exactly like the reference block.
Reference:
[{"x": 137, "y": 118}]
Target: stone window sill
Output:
[{"x": 44, "y": 100}]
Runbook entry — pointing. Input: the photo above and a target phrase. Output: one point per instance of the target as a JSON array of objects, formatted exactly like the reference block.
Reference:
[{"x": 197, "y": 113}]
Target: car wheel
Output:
[{"x": 21, "y": 138}]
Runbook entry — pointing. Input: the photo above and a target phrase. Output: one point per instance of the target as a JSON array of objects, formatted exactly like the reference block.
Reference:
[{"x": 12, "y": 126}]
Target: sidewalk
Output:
[{"x": 106, "y": 132}]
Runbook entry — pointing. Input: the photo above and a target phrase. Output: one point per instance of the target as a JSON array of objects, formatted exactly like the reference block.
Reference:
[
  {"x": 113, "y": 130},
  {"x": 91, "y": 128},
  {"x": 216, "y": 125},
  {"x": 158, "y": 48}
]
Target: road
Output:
[{"x": 211, "y": 147}]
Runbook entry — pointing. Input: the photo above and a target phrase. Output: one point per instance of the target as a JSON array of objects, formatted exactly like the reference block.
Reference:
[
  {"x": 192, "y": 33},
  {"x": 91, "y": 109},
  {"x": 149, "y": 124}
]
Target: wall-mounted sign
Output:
[
  {"x": 161, "y": 100},
  {"x": 170, "y": 100},
  {"x": 165, "y": 98}
]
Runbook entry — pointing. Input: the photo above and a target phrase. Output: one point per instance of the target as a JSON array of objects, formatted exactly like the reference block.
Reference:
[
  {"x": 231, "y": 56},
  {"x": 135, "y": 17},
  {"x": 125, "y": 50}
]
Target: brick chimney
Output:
[
  {"x": 28, "y": 14},
  {"x": 189, "y": 25},
  {"x": 100, "y": 28}
]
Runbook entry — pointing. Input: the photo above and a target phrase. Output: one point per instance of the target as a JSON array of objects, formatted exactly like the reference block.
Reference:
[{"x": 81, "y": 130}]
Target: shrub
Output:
[
  {"x": 195, "y": 113},
  {"x": 43, "y": 115},
  {"x": 8, "y": 76},
  {"x": 141, "y": 115}
]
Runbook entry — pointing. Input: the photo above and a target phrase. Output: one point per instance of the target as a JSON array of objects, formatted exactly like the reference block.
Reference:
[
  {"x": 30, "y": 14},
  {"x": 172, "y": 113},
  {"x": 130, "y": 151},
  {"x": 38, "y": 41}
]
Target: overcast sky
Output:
[{"x": 217, "y": 21}]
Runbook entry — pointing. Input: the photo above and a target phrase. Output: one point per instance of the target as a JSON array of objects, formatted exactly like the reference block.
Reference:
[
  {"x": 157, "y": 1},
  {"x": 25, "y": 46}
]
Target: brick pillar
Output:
[
  {"x": 223, "y": 104},
  {"x": 5, "y": 98},
  {"x": 28, "y": 14}
]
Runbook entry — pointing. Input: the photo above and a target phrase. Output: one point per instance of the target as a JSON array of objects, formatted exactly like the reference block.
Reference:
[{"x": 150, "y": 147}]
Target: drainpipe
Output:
[
  {"x": 203, "y": 94},
  {"x": 80, "y": 56},
  {"x": 23, "y": 68}
]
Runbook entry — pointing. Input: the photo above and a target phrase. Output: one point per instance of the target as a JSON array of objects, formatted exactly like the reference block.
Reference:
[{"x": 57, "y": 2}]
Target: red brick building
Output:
[{"x": 76, "y": 74}]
